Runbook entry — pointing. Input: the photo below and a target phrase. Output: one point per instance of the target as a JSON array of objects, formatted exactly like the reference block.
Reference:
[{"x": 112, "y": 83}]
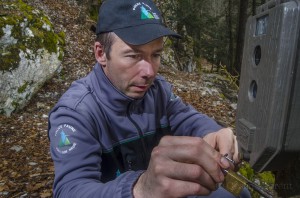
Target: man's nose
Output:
[{"x": 147, "y": 69}]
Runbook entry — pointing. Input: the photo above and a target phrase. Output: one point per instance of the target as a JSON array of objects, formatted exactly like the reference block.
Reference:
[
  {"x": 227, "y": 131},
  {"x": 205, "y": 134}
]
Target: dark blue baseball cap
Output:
[{"x": 136, "y": 22}]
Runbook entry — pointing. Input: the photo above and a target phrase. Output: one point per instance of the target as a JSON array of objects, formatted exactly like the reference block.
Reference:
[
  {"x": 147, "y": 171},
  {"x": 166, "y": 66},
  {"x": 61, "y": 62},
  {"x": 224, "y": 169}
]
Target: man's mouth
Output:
[{"x": 142, "y": 87}]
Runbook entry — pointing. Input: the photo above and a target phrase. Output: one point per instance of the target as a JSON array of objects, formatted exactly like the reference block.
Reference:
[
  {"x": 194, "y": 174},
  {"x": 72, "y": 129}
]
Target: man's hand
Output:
[
  {"x": 225, "y": 142},
  {"x": 181, "y": 166}
]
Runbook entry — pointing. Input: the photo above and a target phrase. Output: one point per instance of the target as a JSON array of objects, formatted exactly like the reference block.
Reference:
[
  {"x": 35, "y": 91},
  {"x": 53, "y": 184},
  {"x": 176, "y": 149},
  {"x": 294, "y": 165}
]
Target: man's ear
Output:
[{"x": 99, "y": 53}]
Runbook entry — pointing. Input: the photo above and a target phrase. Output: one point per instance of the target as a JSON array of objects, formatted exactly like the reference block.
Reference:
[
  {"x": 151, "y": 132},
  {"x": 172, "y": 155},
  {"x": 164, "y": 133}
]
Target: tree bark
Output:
[
  {"x": 243, "y": 15},
  {"x": 253, "y": 7},
  {"x": 230, "y": 38}
]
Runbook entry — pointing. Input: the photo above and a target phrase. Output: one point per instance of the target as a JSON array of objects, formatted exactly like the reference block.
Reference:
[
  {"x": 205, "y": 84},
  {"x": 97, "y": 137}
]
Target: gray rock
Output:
[{"x": 30, "y": 54}]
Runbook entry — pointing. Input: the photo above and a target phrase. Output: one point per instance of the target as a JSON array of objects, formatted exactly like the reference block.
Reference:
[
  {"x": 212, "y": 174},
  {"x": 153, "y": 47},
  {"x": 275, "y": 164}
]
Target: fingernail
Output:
[{"x": 225, "y": 162}]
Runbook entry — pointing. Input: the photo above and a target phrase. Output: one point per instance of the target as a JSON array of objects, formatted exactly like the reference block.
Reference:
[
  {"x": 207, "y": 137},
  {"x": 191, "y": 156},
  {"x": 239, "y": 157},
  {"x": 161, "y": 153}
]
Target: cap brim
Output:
[{"x": 142, "y": 34}]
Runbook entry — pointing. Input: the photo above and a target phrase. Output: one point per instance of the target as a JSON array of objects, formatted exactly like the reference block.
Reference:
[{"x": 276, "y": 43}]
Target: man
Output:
[{"x": 121, "y": 132}]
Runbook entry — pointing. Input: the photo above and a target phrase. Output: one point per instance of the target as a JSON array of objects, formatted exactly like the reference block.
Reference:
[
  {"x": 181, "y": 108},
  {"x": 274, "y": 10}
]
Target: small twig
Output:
[
  {"x": 17, "y": 195},
  {"x": 41, "y": 174}
]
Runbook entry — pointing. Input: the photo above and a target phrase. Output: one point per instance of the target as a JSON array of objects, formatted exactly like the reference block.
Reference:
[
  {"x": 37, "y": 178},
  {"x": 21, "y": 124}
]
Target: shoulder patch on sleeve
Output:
[{"x": 63, "y": 139}]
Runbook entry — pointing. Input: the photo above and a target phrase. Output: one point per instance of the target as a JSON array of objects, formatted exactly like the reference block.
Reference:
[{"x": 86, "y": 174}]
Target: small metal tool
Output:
[
  {"x": 234, "y": 183},
  {"x": 230, "y": 160}
]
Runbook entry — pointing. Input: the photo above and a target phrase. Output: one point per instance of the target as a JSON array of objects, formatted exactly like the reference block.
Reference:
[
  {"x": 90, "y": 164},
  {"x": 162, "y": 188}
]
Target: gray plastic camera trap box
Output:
[{"x": 268, "y": 113}]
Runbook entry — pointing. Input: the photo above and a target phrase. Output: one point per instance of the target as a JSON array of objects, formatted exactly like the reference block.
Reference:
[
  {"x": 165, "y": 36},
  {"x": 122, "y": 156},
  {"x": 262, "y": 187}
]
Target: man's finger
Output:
[
  {"x": 196, "y": 152},
  {"x": 189, "y": 172},
  {"x": 225, "y": 141}
]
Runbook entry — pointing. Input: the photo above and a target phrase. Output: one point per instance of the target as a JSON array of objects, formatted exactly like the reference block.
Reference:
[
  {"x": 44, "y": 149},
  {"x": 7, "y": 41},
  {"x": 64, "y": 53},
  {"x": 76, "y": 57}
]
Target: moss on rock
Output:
[
  {"x": 30, "y": 28},
  {"x": 30, "y": 53},
  {"x": 10, "y": 58},
  {"x": 23, "y": 87},
  {"x": 1, "y": 33}
]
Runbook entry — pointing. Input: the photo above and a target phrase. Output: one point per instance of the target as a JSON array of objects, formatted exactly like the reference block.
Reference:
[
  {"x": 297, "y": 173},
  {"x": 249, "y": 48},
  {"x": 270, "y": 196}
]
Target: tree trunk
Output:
[
  {"x": 243, "y": 15},
  {"x": 230, "y": 38},
  {"x": 253, "y": 7}
]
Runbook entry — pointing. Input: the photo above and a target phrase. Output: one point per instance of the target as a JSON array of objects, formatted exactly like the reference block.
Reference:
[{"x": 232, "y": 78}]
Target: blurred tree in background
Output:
[{"x": 217, "y": 28}]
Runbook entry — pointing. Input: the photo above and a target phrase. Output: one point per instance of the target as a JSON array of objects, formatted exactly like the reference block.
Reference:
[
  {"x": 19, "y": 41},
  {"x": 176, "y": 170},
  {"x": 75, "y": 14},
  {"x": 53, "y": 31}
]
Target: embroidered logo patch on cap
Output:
[
  {"x": 63, "y": 135},
  {"x": 146, "y": 11},
  {"x": 145, "y": 14}
]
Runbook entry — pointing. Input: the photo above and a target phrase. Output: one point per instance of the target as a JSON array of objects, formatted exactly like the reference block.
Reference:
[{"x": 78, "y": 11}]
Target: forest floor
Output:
[{"x": 26, "y": 168}]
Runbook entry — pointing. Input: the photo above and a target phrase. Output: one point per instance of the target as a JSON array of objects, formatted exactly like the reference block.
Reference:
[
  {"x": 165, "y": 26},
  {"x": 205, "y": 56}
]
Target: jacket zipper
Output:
[{"x": 144, "y": 153}]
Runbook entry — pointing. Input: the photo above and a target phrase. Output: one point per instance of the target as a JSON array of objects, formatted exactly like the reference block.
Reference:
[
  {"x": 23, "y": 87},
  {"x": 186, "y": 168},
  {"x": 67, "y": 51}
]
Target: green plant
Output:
[
  {"x": 264, "y": 179},
  {"x": 233, "y": 80}
]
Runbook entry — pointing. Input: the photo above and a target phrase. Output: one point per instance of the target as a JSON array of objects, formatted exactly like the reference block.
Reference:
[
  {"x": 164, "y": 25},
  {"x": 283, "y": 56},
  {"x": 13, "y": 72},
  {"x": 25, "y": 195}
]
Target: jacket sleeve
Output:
[
  {"x": 76, "y": 153},
  {"x": 186, "y": 120}
]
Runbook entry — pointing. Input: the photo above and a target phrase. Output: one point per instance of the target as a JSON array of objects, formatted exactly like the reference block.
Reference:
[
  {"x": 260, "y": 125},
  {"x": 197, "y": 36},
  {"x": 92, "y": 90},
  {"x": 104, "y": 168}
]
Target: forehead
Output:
[{"x": 154, "y": 45}]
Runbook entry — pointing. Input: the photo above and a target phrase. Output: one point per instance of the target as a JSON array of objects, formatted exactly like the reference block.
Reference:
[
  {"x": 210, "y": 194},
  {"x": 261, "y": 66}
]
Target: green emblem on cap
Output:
[{"x": 145, "y": 14}]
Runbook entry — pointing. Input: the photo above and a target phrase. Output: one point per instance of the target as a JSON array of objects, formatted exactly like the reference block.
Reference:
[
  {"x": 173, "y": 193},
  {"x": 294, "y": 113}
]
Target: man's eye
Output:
[
  {"x": 156, "y": 55},
  {"x": 134, "y": 56}
]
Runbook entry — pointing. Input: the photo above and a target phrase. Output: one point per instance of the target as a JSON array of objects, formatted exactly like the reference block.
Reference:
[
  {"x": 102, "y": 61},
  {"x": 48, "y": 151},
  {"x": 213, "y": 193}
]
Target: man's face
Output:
[{"x": 132, "y": 69}]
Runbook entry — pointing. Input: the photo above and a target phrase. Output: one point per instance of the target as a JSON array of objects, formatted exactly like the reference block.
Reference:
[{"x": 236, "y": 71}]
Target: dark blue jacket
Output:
[{"x": 101, "y": 139}]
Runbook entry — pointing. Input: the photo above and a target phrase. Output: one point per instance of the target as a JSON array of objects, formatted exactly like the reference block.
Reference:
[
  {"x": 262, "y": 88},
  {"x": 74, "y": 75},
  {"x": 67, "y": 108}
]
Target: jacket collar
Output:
[{"x": 107, "y": 93}]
